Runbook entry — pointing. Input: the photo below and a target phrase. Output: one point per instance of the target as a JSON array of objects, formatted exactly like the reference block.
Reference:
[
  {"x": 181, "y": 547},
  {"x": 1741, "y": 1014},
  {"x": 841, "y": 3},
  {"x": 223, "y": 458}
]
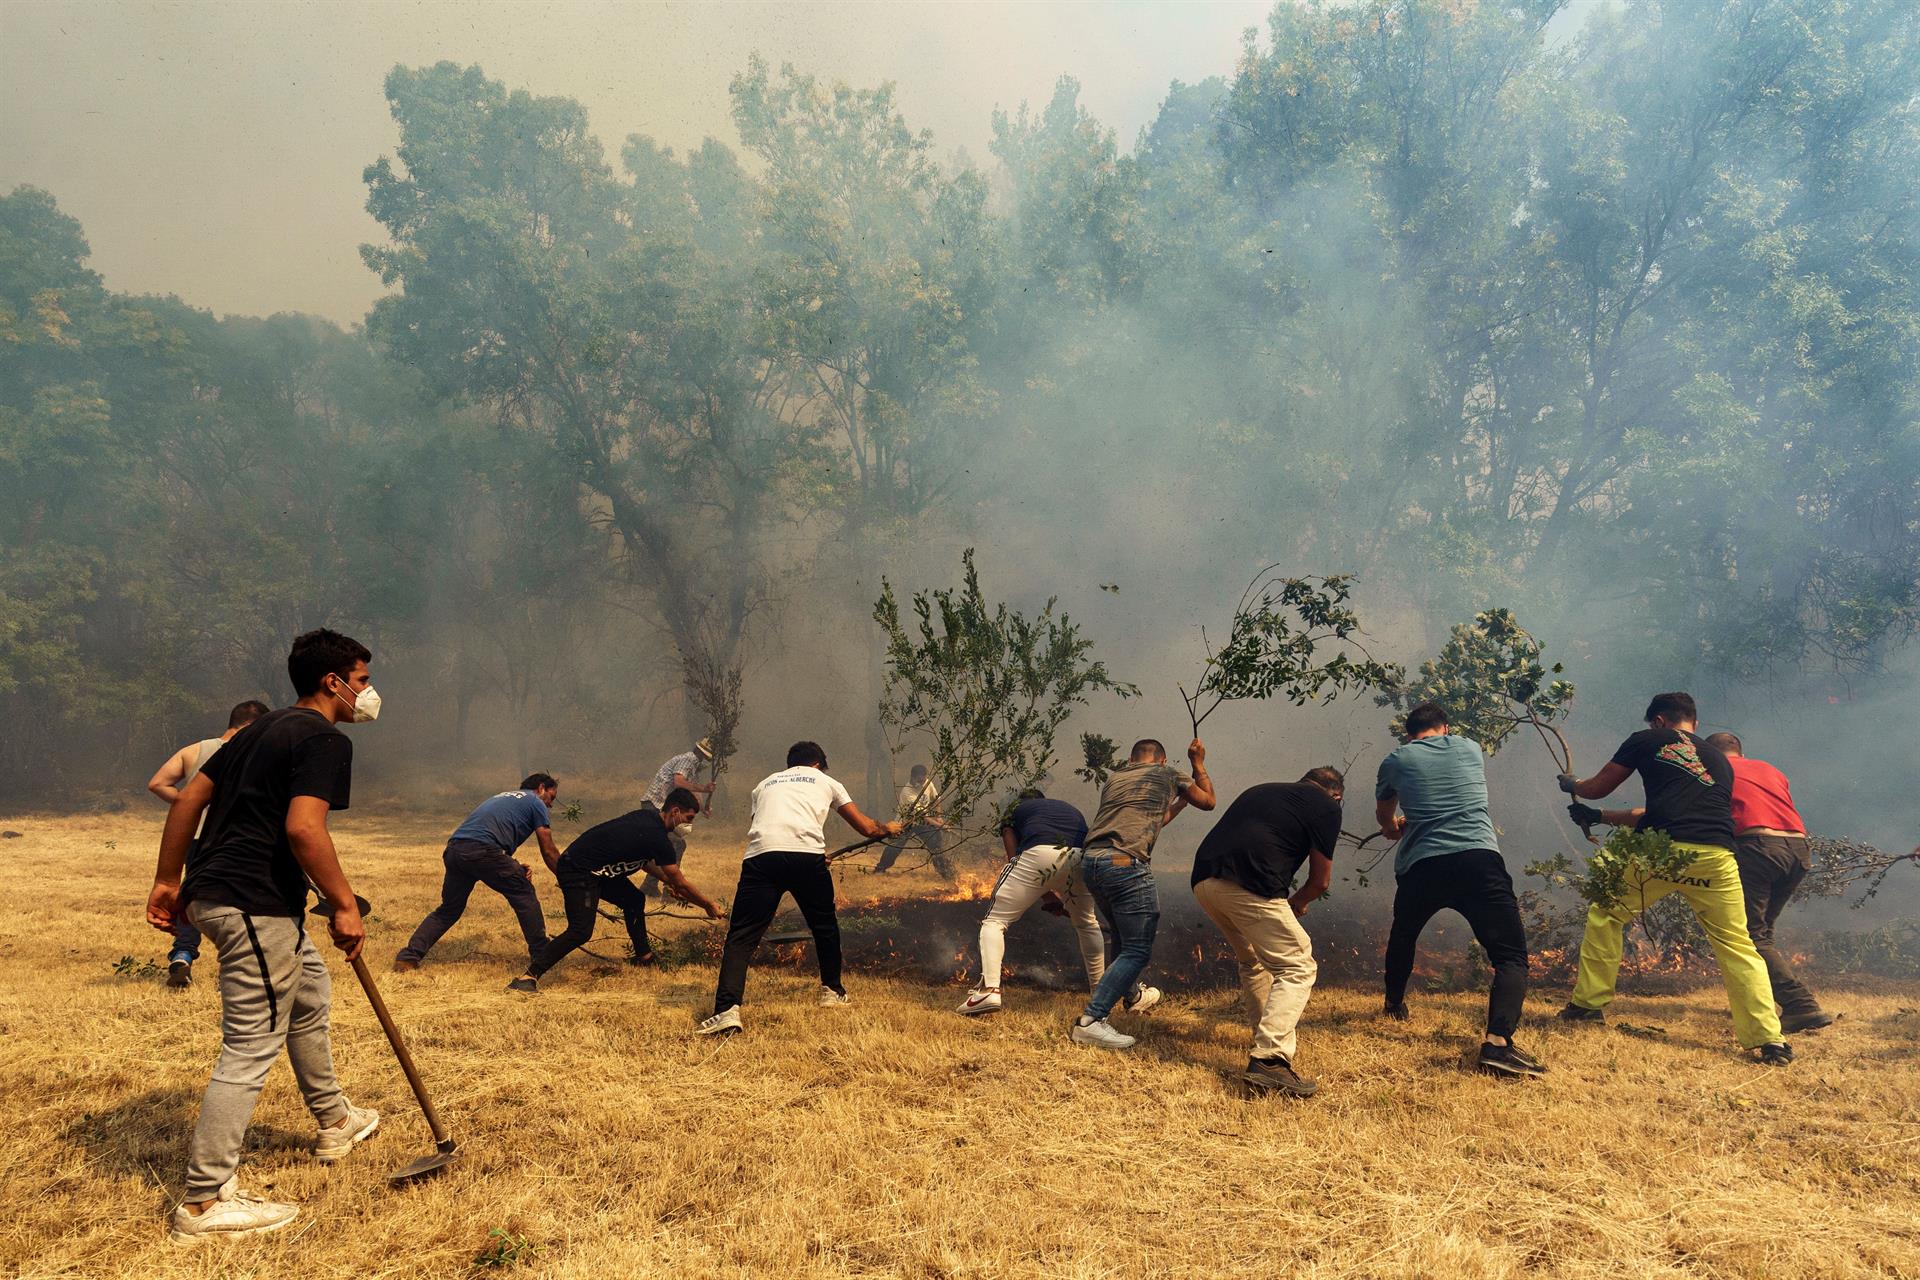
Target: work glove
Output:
[
  {"x": 1568, "y": 782},
  {"x": 1584, "y": 816}
]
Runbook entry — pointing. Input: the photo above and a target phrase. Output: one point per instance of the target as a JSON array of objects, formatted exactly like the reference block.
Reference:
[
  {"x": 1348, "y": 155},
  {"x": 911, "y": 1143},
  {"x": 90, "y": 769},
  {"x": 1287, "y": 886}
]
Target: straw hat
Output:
[{"x": 705, "y": 748}]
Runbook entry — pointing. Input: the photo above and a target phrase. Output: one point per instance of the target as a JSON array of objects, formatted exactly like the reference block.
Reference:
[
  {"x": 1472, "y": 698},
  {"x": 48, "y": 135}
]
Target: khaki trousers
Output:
[{"x": 1275, "y": 957}]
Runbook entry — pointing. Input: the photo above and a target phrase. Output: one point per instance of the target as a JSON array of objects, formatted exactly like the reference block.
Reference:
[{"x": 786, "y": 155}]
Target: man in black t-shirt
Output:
[
  {"x": 1242, "y": 875},
  {"x": 597, "y": 867},
  {"x": 1689, "y": 797},
  {"x": 266, "y": 795}
]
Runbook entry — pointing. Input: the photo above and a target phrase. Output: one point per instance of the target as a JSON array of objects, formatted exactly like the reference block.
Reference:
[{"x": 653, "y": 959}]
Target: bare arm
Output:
[
  {"x": 698, "y": 788},
  {"x": 166, "y": 783},
  {"x": 1012, "y": 846},
  {"x": 313, "y": 849},
  {"x": 183, "y": 818},
  {"x": 1391, "y": 825},
  {"x": 1622, "y": 817},
  {"x": 683, "y": 888},
  {"x": 867, "y": 826},
  {"x": 1199, "y": 792},
  {"x": 1603, "y": 783},
  {"x": 548, "y": 853},
  {"x": 1319, "y": 876}
]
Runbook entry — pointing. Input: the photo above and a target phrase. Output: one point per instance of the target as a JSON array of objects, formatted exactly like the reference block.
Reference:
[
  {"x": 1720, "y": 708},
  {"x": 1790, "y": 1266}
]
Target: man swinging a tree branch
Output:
[{"x": 1690, "y": 797}]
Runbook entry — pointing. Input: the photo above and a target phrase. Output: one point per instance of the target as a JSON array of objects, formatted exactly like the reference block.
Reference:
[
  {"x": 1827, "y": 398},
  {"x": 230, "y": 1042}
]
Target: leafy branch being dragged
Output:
[
  {"x": 1616, "y": 876},
  {"x": 1839, "y": 863},
  {"x": 987, "y": 686},
  {"x": 1275, "y": 645}
]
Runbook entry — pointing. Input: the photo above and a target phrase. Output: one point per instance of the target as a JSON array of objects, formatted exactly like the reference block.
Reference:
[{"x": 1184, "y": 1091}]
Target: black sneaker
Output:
[
  {"x": 1276, "y": 1075},
  {"x": 641, "y": 960},
  {"x": 1507, "y": 1060},
  {"x": 1580, "y": 1013},
  {"x": 1777, "y": 1054},
  {"x": 180, "y": 975},
  {"x": 1794, "y": 1023},
  {"x": 1397, "y": 1010},
  {"x": 529, "y": 986}
]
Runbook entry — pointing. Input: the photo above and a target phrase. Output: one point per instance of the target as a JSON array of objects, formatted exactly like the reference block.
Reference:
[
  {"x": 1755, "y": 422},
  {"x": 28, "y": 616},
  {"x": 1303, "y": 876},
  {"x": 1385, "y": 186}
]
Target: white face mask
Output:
[{"x": 365, "y": 704}]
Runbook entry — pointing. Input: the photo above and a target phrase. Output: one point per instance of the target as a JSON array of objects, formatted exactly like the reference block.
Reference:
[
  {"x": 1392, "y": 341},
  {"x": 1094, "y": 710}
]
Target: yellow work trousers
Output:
[{"x": 1711, "y": 885}]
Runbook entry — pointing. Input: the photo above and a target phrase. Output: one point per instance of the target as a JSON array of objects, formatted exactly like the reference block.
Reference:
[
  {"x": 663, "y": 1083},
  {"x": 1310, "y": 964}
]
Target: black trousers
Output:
[
  {"x": 763, "y": 879},
  {"x": 583, "y": 895},
  {"x": 1771, "y": 868},
  {"x": 469, "y": 863},
  {"x": 1474, "y": 883}
]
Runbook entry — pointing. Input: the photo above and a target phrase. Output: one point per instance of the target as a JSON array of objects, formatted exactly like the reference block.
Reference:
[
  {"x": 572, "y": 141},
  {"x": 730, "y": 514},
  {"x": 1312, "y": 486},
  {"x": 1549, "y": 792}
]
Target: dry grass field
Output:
[{"x": 892, "y": 1138}]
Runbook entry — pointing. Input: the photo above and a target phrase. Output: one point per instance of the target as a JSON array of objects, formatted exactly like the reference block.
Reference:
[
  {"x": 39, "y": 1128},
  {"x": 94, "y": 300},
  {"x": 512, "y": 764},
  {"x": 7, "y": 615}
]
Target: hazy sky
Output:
[{"x": 214, "y": 150}]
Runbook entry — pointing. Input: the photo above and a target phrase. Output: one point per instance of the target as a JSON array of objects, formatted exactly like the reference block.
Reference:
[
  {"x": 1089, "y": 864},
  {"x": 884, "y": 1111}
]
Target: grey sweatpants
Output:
[{"x": 274, "y": 993}]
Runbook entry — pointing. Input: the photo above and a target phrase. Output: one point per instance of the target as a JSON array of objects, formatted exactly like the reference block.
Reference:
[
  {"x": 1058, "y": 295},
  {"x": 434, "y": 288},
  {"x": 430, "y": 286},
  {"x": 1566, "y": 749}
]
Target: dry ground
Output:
[{"x": 893, "y": 1139}]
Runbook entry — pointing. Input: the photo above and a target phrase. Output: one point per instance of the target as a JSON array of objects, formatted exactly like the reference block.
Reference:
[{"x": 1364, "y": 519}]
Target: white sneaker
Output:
[
  {"x": 234, "y": 1213},
  {"x": 336, "y": 1142},
  {"x": 727, "y": 1020},
  {"x": 981, "y": 1001},
  {"x": 1100, "y": 1034},
  {"x": 831, "y": 999},
  {"x": 1143, "y": 1000}
]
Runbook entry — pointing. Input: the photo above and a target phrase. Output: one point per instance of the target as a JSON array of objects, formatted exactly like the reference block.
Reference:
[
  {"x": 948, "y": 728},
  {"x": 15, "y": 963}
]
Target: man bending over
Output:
[
  {"x": 1241, "y": 877},
  {"x": 596, "y": 868},
  {"x": 480, "y": 851},
  {"x": 1690, "y": 797}
]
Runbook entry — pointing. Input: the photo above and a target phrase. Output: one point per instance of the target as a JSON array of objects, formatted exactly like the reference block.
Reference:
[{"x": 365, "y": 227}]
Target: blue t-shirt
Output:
[
  {"x": 1046, "y": 821},
  {"x": 1441, "y": 782},
  {"x": 505, "y": 820}
]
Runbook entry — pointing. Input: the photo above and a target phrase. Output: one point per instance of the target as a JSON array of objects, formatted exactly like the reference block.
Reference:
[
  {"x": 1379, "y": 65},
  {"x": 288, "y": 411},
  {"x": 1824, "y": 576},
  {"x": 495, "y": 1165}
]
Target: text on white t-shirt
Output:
[{"x": 790, "y": 810}]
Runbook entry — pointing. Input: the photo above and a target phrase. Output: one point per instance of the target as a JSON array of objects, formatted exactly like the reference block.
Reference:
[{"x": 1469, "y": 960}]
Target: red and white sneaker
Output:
[{"x": 981, "y": 1000}]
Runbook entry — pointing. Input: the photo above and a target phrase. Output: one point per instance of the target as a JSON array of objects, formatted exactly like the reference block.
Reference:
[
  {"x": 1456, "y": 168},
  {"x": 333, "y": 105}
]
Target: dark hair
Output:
[
  {"x": 535, "y": 781},
  {"x": 918, "y": 771},
  {"x": 680, "y": 798},
  {"x": 1672, "y": 706},
  {"x": 1428, "y": 715},
  {"x": 1326, "y": 777},
  {"x": 245, "y": 713},
  {"x": 320, "y": 653},
  {"x": 1031, "y": 793},
  {"x": 804, "y": 753},
  {"x": 1728, "y": 743},
  {"x": 1145, "y": 749}
]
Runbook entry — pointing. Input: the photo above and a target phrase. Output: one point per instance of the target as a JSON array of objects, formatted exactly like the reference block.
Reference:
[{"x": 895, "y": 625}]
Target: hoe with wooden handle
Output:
[{"x": 444, "y": 1146}]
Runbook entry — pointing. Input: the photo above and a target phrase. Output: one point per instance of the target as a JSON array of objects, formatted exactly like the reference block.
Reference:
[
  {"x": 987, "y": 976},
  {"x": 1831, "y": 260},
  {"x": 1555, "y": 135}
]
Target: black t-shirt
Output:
[
  {"x": 244, "y": 859},
  {"x": 1265, "y": 834},
  {"x": 620, "y": 846},
  {"x": 1689, "y": 785}
]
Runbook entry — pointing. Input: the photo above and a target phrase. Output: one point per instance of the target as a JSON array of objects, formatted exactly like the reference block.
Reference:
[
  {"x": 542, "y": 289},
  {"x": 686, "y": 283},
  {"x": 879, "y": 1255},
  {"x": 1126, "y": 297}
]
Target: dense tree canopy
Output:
[{"x": 1623, "y": 327}]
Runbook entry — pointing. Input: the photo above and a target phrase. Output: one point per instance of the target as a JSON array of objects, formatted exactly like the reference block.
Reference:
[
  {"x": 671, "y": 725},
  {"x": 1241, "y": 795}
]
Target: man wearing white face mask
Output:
[{"x": 266, "y": 795}]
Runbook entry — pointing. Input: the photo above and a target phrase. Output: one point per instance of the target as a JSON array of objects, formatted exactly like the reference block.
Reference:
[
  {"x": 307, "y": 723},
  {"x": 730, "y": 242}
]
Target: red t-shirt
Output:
[{"x": 1762, "y": 798}]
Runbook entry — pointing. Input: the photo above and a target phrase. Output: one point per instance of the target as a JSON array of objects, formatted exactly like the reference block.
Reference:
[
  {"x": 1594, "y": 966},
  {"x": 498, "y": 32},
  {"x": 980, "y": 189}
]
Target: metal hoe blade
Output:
[{"x": 444, "y": 1145}]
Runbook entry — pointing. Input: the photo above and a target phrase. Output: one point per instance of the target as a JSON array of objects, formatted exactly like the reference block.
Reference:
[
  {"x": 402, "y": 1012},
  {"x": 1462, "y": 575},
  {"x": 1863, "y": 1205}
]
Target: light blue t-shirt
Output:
[
  {"x": 1441, "y": 783},
  {"x": 505, "y": 820}
]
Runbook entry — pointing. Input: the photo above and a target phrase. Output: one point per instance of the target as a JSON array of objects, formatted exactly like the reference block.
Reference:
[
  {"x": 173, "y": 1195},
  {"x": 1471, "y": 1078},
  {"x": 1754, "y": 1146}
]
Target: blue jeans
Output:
[
  {"x": 186, "y": 940},
  {"x": 1124, "y": 891}
]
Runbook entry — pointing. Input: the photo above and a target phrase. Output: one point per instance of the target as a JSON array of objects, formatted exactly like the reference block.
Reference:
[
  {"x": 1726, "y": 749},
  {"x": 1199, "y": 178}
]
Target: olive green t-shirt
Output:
[{"x": 1132, "y": 807}]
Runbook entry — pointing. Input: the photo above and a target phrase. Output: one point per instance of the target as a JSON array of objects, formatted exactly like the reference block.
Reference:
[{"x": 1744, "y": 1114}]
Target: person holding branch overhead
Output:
[
  {"x": 1141, "y": 796},
  {"x": 1689, "y": 797},
  {"x": 266, "y": 795}
]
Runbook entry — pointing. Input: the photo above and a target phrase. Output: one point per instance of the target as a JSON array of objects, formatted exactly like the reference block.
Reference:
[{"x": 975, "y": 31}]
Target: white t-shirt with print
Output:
[{"x": 790, "y": 811}]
